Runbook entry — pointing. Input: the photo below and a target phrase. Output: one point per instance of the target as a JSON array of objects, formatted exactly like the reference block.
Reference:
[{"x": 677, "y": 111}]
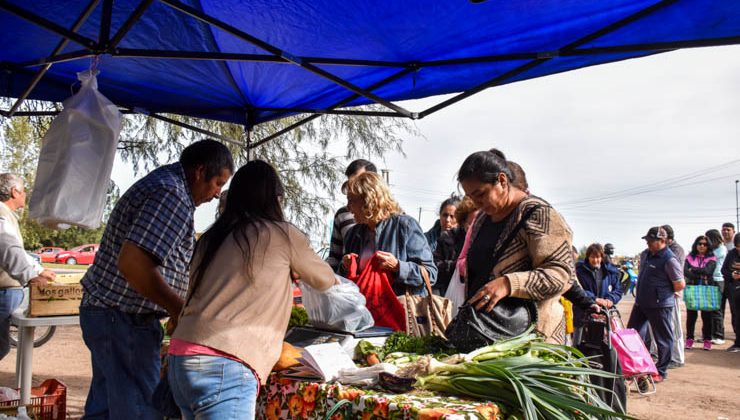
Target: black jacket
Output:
[{"x": 449, "y": 245}]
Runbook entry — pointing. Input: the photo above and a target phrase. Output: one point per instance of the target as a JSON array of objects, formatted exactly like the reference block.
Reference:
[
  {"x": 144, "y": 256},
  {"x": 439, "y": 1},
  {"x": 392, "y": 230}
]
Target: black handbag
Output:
[{"x": 472, "y": 329}]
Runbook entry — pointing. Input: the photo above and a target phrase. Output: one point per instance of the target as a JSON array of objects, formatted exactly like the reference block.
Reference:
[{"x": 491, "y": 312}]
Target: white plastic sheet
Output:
[
  {"x": 342, "y": 306},
  {"x": 455, "y": 292},
  {"x": 76, "y": 160}
]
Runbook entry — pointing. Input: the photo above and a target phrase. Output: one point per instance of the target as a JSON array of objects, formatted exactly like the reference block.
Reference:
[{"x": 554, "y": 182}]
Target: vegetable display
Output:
[
  {"x": 298, "y": 317},
  {"x": 530, "y": 378}
]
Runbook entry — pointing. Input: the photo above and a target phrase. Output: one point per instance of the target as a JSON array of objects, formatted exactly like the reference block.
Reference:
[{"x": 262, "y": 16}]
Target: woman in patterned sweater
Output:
[{"x": 537, "y": 263}]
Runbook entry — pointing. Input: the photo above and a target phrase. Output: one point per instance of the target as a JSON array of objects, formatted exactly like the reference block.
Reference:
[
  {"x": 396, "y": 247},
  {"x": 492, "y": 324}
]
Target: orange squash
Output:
[{"x": 288, "y": 357}]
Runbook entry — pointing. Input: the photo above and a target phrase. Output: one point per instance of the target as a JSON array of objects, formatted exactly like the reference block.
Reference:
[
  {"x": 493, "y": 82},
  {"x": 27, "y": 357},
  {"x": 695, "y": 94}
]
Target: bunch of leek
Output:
[{"x": 527, "y": 376}]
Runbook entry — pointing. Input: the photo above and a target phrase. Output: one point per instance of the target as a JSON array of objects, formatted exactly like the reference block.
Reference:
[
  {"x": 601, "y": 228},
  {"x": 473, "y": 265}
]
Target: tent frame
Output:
[{"x": 108, "y": 45}]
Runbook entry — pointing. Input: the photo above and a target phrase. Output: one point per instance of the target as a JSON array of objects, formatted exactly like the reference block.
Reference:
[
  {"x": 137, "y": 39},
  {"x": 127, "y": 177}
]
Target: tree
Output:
[
  {"x": 311, "y": 174},
  {"x": 310, "y": 171}
]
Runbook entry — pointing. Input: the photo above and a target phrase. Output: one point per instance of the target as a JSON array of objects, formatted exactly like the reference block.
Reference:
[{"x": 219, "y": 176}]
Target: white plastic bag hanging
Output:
[
  {"x": 342, "y": 306},
  {"x": 455, "y": 292},
  {"x": 76, "y": 160}
]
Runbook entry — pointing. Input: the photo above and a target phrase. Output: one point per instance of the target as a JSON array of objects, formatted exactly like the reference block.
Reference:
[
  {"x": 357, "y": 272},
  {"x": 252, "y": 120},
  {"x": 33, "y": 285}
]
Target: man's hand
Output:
[
  {"x": 48, "y": 274},
  {"x": 39, "y": 281}
]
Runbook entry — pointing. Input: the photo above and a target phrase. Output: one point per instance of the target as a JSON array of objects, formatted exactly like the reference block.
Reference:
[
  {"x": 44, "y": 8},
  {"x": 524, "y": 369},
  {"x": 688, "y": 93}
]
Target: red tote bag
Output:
[{"x": 375, "y": 284}]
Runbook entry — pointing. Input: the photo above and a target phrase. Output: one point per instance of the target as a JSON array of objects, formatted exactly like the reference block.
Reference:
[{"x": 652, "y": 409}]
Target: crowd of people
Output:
[{"x": 228, "y": 295}]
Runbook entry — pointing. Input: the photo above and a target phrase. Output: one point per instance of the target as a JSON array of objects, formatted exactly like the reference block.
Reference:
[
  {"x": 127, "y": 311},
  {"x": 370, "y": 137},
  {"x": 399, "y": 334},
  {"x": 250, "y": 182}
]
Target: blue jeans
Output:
[
  {"x": 10, "y": 299},
  {"x": 125, "y": 362},
  {"x": 212, "y": 388}
]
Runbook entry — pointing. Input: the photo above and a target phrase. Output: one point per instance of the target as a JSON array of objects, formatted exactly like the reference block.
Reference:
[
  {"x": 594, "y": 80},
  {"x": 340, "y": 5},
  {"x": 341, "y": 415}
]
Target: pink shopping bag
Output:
[{"x": 631, "y": 351}]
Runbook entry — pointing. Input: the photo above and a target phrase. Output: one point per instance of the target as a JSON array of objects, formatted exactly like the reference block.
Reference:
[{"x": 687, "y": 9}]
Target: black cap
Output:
[{"x": 656, "y": 233}]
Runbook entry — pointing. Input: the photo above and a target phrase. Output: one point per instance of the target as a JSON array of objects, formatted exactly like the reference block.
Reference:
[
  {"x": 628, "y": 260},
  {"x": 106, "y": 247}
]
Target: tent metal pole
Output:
[
  {"x": 60, "y": 58},
  {"x": 548, "y": 56},
  {"x": 105, "y": 21},
  {"x": 130, "y": 22},
  {"x": 658, "y": 46},
  {"x": 267, "y": 58},
  {"x": 333, "y": 112},
  {"x": 278, "y": 52},
  {"x": 336, "y": 105},
  {"x": 47, "y": 24},
  {"x": 42, "y": 71},
  {"x": 196, "y": 129}
]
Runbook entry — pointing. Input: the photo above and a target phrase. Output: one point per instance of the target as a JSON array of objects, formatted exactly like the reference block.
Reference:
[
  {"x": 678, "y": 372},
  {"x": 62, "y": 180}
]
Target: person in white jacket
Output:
[{"x": 17, "y": 268}]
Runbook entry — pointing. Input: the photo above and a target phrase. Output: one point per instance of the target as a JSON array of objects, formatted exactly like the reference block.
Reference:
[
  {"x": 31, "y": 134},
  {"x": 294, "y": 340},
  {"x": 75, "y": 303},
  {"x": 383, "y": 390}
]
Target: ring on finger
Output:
[{"x": 486, "y": 298}]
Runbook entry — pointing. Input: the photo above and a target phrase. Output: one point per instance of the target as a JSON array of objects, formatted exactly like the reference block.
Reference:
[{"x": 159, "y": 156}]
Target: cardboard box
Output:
[{"x": 62, "y": 297}]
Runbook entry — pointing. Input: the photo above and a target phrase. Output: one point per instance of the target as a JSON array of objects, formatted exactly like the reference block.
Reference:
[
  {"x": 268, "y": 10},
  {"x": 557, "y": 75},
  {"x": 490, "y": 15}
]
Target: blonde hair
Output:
[
  {"x": 464, "y": 209},
  {"x": 377, "y": 202}
]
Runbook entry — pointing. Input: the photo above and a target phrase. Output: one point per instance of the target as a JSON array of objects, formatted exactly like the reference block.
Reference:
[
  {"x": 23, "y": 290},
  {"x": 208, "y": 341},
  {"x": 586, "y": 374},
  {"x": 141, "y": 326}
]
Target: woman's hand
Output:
[
  {"x": 347, "y": 260},
  {"x": 604, "y": 302},
  {"x": 387, "y": 261},
  {"x": 491, "y": 293}
]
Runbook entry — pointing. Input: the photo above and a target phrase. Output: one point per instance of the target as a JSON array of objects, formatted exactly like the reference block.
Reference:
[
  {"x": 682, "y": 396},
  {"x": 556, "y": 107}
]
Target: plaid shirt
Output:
[{"x": 156, "y": 214}]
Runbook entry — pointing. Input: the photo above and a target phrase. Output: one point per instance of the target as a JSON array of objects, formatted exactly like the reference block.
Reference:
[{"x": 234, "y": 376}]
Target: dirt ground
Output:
[{"x": 708, "y": 387}]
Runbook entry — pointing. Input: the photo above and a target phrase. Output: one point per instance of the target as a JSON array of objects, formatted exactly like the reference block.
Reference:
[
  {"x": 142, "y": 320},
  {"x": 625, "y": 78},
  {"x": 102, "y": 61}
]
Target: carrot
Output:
[{"x": 372, "y": 359}]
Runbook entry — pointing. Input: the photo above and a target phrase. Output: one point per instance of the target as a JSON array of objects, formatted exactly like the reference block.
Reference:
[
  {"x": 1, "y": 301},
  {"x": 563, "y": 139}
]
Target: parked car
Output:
[
  {"x": 83, "y": 254},
  {"x": 36, "y": 257},
  {"x": 48, "y": 254}
]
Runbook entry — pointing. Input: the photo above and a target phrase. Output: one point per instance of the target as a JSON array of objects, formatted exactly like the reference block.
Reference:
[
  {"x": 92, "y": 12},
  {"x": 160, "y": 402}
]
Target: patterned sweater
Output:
[{"x": 538, "y": 263}]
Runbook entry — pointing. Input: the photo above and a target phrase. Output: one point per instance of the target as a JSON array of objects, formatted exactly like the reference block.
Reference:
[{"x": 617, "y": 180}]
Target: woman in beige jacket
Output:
[{"x": 230, "y": 332}]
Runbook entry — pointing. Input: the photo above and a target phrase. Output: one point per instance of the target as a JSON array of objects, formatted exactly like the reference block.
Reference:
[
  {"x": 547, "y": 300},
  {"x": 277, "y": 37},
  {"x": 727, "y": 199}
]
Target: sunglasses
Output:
[{"x": 702, "y": 244}]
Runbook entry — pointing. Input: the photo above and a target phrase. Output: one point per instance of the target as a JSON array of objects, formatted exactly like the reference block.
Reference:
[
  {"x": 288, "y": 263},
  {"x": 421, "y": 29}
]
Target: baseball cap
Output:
[{"x": 655, "y": 233}]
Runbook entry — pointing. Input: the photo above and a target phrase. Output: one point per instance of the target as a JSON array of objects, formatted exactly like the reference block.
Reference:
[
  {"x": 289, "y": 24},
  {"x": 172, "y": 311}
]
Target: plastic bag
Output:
[
  {"x": 341, "y": 307},
  {"x": 456, "y": 292},
  {"x": 76, "y": 160}
]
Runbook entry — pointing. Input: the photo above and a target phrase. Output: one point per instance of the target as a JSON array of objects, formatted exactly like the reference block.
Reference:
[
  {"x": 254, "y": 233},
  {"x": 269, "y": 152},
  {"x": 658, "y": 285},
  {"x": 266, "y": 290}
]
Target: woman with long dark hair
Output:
[
  {"x": 698, "y": 269},
  {"x": 718, "y": 248},
  {"x": 230, "y": 332},
  {"x": 536, "y": 264}
]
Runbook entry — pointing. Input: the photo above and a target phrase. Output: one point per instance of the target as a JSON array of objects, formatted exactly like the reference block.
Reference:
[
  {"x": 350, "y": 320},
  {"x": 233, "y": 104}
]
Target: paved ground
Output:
[{"x": 708, "y": 387}]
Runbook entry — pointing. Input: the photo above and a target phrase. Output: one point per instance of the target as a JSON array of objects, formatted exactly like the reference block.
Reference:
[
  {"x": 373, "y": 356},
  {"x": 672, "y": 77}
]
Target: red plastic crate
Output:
[{"x": 48, "y": 401}]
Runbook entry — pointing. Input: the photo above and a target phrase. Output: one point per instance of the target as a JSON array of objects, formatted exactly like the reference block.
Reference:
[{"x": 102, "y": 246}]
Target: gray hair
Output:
[{"x": 7, "y": 183}]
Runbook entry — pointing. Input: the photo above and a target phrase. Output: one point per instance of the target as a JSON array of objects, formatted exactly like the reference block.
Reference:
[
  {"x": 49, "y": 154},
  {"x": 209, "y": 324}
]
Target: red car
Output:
[
  {"x": 48, "y": 254},
  {"x": 83, "y": 254}
]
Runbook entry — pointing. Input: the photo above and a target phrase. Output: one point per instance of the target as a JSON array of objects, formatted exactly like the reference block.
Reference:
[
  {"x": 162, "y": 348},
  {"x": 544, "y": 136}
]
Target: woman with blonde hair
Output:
[{"x": 384, "y": 232}]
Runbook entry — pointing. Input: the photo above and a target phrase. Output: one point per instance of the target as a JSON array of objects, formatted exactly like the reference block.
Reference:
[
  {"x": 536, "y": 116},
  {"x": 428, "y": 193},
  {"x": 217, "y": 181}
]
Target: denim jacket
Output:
[{"x": 401, "y": 236}]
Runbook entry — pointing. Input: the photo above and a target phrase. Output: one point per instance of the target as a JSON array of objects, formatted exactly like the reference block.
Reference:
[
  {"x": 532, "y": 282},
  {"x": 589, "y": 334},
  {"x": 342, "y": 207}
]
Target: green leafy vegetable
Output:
[{"x": 298, "y": 317}]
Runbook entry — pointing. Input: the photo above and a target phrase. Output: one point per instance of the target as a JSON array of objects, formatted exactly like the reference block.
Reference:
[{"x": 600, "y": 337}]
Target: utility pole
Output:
[
  {"x": 385, "y": 174},
  {"x": 419, "y": 218},
  {"x": 737, "y": 207}
]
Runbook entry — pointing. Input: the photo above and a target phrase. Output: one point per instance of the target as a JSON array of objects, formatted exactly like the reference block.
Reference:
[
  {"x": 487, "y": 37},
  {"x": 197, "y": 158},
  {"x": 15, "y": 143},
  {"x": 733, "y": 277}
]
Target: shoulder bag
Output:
[
  {"x": 702, "y": 297},
  {"x": 426, "y": 315},
  {"x": 472, "y": 329}
]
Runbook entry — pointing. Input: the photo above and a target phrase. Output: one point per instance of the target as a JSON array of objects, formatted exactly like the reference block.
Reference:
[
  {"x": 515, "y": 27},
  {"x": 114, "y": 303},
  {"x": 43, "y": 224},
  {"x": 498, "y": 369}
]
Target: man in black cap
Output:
[
  {"x": 609, "y": 253},
  {"x": 660, "y": 278}
]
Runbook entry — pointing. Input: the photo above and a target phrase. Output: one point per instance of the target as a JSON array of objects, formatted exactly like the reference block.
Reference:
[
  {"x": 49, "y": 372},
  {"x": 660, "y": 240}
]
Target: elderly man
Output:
[
  {"x": 140, "y": 275},
  {"x": 660, "y": 279},
  {"x": 17, "y": 268}
]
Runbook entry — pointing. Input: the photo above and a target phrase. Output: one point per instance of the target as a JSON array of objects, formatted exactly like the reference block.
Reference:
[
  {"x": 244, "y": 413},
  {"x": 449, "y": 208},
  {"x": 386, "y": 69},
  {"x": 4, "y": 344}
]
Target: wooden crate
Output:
[{"x": 62, "y": 297}]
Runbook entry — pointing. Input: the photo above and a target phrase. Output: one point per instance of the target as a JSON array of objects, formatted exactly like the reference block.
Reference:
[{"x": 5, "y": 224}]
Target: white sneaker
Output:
[{"x": 718, "y": 341}]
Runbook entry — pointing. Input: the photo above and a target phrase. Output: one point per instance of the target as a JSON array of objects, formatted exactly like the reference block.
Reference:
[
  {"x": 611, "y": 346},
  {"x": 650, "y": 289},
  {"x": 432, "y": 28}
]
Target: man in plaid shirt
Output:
[{"x": 140, "y": 275}]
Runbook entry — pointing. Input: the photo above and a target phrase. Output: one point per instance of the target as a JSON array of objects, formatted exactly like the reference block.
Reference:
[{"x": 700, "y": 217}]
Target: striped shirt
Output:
[
  {"x": 343, "y": 221},
  {"x": 156, "y": 214}
]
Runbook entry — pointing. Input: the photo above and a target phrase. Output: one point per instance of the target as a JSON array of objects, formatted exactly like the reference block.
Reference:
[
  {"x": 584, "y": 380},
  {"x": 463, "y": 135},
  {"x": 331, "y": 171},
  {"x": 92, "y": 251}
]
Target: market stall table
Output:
[
  {"x": 24, "y": 357},
  {"x": 287, "y": 398}
]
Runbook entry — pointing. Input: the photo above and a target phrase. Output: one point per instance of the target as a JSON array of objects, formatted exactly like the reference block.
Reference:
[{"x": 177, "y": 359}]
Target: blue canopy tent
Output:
[{"x": 248, "y": 62}]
